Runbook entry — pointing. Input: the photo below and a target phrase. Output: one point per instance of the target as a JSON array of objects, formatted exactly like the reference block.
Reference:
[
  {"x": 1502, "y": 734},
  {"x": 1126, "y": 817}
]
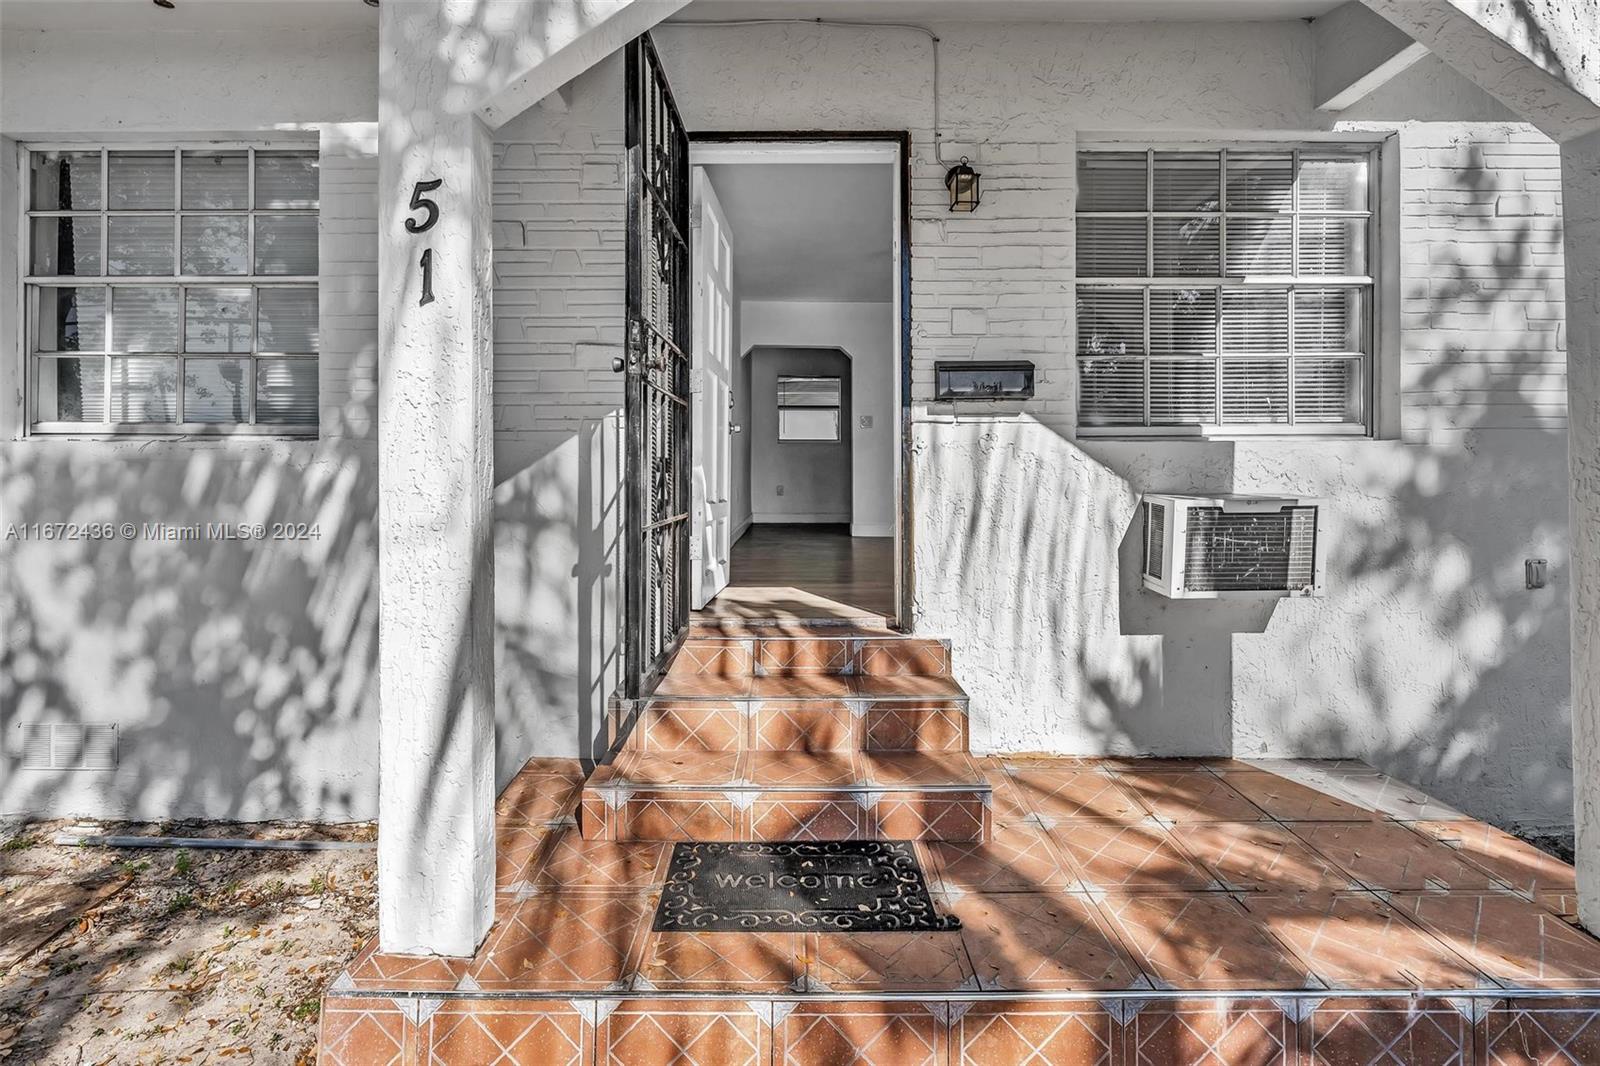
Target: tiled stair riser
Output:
[
  {"x": 732, "y": 1031},
  {"x": 798, "y": 656},
  {"x": 792, "y": 737},
  {"x": 781, "y": 814},
  {"x": 728, "y": 725}
]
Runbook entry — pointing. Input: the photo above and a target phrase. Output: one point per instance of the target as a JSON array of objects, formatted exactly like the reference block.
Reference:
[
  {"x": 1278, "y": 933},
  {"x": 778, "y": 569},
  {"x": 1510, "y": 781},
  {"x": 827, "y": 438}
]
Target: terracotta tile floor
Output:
[{"x": 1124, "y": 911}]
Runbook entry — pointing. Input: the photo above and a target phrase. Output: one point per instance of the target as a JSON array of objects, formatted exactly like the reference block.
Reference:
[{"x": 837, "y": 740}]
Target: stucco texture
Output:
[{"x": 246, "y": 676}]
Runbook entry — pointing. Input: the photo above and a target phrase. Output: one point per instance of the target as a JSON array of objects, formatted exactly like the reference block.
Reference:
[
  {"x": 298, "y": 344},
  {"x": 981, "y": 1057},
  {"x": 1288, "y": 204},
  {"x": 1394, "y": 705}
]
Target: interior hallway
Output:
[{"x": 806, "y": 572}]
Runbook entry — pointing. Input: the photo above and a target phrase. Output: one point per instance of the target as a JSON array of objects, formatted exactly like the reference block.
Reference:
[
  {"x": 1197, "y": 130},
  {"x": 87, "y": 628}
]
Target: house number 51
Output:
[{"x": 430, "y": 211}]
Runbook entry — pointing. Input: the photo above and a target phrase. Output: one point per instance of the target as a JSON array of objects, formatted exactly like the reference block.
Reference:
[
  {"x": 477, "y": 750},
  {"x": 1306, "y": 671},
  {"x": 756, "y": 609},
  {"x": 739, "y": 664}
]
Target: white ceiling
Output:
[
  {"x": 186, "y": 15},
  {"x": 1011, "y": 10},
  {"x": 810, "y": 231}
]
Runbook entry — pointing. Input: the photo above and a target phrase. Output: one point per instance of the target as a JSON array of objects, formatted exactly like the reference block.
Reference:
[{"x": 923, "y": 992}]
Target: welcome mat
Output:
[{"x": 864, "y": 886}]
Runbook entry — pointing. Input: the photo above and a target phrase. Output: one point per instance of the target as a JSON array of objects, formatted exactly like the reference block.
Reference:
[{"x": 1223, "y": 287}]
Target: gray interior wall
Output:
[
  {"x": 797, "y": 481},
  {"x": 741, "y": 494}
]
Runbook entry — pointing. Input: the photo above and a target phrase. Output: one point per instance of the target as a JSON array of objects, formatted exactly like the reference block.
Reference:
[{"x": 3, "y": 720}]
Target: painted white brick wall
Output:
[
  {"x": 1481, "y": 291},
  {"x": 560, "y": 210}
]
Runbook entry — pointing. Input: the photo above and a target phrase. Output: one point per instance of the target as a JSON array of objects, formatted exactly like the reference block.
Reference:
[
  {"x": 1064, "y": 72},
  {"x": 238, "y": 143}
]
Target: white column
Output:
[
  {"x": 435, "y": 498},
  {"x": 1580, "y": 203}
]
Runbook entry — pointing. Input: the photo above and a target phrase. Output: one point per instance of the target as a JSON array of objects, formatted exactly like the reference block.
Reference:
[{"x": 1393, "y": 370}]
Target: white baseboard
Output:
[
  {"x": 801, "y": 519},
  {"x": 742, "y": 528},
  {"x": 869, "y": 529}
]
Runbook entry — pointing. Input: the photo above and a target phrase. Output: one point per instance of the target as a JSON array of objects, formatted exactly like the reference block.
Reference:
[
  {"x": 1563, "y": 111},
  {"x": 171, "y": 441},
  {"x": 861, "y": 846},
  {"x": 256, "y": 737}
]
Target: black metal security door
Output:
[{"x": 657, "y": 475}]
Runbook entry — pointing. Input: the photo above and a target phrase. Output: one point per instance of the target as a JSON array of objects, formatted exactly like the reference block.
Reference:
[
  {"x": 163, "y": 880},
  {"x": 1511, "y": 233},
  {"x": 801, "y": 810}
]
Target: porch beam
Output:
[
  {"x": 1355, "y": 53},
  {"x": 435, "y": 492},
  {"x": 1538, "y": 62},
  {"x": 558, "y": 40}
]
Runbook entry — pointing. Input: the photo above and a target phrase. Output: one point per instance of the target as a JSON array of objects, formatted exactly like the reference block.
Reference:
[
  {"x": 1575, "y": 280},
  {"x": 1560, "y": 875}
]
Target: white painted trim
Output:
[
  {"x": 794, "y": 152},
  {"x": 770, "y": 518},
  {"x": 1375, "y": 78},
  {"x": 742, "y": 528},
  {"x": 867, "y": 529},
  {"x": 1164, "y": 140}
]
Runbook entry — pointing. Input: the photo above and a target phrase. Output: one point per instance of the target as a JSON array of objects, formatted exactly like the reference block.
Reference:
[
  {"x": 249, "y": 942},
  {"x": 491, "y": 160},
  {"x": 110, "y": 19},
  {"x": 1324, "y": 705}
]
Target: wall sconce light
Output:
[{"x": 962, "y": 181}]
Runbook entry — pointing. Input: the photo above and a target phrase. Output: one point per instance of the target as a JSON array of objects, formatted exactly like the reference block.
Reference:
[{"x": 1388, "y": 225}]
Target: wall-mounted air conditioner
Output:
[{"x": 1207, "y": 547}]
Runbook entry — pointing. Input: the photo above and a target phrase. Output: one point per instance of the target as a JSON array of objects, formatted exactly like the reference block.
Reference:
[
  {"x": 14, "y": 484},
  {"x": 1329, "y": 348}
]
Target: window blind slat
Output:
[
  {"x": 1111, "y": 392},
  {"x": 1255, "y": 322},
  {"x": 1112, "y": 248},
  {"x": 144, "y": 389},
  {"x": 1110, "y": 322},
  {"x": 1183, "y": 322},
  {"x": 1183, "y": 392},
  {"x": 1187, "y": 181},
  {"x": 1260, "y": 181},
  {"x": 1188, "y": 247},
  {"x": 1326, "y": 390},
  {"x": 1255, "y": 391},
  {"x": 1112, "y": 181}
]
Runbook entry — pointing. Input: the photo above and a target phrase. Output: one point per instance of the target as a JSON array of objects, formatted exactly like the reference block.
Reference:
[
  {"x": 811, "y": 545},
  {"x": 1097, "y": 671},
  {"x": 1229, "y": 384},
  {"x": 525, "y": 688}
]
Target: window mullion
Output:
[
  {"x": 1294, "y": 361},
  {"x": 1149, "y": 264},
  {"x": 1146, "y": 360},
  {"x": 177, "y": 217},
  {"x": 183, "y": 348},
  {"x": 109, "y": 345},
  {"x": 250, "y": 213},
  {"x": 105, "y": 223},
  {"x": 1216, "y": 359}
]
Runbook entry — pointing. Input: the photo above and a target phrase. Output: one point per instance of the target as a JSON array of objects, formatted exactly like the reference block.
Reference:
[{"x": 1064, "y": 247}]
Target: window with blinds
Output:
[
  {"x": 808, "y": 408},
  {"x": 1225, "y": 290},
  {"x": 172, "y": 289}
]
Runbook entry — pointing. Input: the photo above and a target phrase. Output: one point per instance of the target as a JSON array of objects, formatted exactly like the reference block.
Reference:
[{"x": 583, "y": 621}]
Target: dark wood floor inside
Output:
[{"x": 806, "y": 572}]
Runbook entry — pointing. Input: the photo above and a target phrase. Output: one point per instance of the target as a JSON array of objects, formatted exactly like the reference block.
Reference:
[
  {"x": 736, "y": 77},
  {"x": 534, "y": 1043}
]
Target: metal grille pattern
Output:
[
  {"x": 1155, "y": 536},
  {"x": 1250, "y": 552},
  {"x": 657, "y": 368}
]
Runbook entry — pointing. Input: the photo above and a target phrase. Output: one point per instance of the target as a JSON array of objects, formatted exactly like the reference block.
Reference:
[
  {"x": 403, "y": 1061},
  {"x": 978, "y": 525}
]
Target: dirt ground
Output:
[{"x": 144, "y": 955}]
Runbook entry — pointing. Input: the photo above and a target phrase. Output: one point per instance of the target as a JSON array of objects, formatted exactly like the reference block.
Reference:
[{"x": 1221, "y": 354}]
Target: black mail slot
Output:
[{"x": 1010, "y": 380}]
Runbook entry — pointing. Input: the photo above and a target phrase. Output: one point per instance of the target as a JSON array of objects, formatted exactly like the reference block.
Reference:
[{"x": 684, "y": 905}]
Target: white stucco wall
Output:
[
  {"x": 1428, "y": 658},
  {"x": 243, "y": 675}
]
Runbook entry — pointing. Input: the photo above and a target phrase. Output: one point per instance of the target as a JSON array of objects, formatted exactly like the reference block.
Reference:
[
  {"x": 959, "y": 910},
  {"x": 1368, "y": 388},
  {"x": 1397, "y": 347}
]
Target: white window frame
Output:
[
  {"x": 30, "y": 284},
  {"x": 837, "y": 407},
  {"x": 1374, "y": 284}
]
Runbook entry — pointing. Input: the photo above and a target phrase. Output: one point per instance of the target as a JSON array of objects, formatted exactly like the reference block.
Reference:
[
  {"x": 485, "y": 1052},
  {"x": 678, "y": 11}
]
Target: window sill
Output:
[{"x": 1222, "y": 434}]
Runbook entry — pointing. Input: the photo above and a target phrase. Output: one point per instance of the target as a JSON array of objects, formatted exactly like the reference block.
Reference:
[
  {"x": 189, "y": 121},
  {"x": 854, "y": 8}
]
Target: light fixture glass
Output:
[{"x": 963, "y": 183}]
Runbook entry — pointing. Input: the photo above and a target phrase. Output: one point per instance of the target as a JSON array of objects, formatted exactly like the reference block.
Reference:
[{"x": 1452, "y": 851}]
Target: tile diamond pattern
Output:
[{"x": 1165, "y": 895}]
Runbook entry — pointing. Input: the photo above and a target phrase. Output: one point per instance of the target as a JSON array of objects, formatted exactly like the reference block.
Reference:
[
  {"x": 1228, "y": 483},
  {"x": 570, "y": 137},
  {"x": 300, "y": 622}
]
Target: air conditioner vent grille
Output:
[
  {"x": 69, "y": 746},
  {"x": 1155, "y": 533},
  {"x": 1250, "y": 552}
]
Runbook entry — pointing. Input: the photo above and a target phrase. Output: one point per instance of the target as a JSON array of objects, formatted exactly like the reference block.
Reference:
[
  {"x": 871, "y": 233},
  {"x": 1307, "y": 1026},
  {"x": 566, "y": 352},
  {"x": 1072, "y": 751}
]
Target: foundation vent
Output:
[
  {"x": 69, "y": 746},
  {"x": 1207, "y": 547}
]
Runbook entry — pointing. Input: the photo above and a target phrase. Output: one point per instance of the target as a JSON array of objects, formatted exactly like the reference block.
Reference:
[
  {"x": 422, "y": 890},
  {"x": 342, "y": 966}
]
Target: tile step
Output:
[
  {"x": 786, "y": 796},
  {"x": 801, "y": 687},
  {"x": 810, "y": 653},
  {"x": 732, "y": 725}
]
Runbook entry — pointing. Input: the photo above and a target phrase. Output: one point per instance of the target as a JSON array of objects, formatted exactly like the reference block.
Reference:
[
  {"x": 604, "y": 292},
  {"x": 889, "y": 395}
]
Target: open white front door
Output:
[{"x": 711, "y": 389}]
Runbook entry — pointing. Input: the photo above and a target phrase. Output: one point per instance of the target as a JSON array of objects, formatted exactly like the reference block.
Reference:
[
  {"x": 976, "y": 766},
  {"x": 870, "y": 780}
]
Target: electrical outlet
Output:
[{"x": 780, "y": 490}]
